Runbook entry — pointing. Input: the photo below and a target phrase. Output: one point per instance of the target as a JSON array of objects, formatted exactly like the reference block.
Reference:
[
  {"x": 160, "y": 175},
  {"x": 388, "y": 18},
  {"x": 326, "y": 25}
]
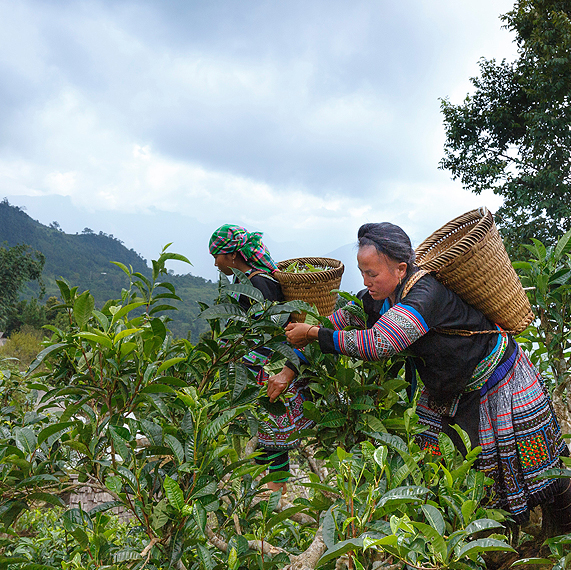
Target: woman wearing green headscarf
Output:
[{"x": 233, "y": 247}]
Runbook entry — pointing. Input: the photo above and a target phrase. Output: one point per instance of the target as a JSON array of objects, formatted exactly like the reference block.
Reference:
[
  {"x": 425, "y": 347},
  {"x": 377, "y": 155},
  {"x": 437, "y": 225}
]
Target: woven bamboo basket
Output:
[
  {"x": 468, "y": 256},
  {"x": 315, "y": 287}
]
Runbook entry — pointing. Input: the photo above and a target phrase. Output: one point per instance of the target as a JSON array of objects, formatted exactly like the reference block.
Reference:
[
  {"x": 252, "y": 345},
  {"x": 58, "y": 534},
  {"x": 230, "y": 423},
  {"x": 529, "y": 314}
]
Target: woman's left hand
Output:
[{"x": 300, "y": 334}]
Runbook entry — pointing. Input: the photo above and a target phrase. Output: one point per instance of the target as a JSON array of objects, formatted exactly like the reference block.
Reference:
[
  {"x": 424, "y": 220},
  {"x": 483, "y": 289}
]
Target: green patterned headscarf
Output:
[{"x": 229, "y": 238}]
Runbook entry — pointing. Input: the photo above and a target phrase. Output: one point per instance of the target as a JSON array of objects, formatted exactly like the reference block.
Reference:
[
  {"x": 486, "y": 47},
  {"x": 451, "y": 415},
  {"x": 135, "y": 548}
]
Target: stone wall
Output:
[{"x": 87, "y": 498}]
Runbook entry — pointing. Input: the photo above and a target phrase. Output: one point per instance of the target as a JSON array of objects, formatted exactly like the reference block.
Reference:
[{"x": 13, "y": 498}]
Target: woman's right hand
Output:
[
  {"x": 301, "y": 334},
  {"x": 279, "y": 383}
]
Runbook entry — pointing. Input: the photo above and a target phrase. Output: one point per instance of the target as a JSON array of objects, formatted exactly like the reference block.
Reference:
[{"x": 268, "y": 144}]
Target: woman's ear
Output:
[{"x": 402, "y": 269}]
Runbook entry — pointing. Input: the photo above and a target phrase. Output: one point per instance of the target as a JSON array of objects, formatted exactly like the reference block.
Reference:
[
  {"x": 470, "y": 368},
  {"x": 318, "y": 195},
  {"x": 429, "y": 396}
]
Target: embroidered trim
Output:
[
  {"x": 486, "y": 367},
  {"x": 396, "y": 330},
  {"x": 342, "y": 319}
]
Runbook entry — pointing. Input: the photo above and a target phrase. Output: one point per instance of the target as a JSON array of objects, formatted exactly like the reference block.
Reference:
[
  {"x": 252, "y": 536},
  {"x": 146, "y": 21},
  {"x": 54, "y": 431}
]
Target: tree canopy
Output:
[
  {"x": 18, "y": 265},
  {"x": 513, "y": 135}
]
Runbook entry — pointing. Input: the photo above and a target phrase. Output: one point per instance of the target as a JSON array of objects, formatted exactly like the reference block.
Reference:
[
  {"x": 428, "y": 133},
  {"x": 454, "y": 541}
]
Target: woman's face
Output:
[
  {"x": 225, "y": 262},
  {"x": 381, "y": 274}
]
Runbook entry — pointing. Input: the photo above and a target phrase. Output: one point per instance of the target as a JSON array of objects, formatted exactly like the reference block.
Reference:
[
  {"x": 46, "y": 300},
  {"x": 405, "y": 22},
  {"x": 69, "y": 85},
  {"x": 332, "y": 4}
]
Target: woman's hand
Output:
[
  {"x": 279, "y": 383},
  {"x": 300, "y": 334}
]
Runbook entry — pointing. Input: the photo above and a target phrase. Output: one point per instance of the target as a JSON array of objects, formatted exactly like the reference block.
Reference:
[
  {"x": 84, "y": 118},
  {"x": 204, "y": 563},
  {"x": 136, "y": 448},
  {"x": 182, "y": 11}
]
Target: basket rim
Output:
[
  {"x": 480, "y": 219},
  {"x": 335, "y": 272},
  {"x": 468, "y": 256}
]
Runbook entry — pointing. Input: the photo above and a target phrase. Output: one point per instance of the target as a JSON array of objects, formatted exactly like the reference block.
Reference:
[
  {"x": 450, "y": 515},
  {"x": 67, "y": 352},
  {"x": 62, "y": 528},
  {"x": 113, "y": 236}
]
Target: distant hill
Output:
[{"x": 84, "y": 260}]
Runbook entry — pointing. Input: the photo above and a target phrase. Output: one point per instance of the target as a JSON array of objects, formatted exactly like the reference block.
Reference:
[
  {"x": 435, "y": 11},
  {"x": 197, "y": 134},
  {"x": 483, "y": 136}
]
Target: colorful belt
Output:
[
  {"x": 485, "y": 368},
  {"x": 499, "y": 373}
]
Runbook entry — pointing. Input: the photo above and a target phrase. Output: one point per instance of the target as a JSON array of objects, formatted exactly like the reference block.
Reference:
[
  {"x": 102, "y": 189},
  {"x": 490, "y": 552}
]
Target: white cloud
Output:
[{"x": 304, "y": 122}]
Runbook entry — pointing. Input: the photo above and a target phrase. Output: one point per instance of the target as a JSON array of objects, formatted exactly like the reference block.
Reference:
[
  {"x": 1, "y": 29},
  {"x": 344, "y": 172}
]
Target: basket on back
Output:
[
  {"x": 313, "y": 287},
  {"x": 469, "y": 257}
]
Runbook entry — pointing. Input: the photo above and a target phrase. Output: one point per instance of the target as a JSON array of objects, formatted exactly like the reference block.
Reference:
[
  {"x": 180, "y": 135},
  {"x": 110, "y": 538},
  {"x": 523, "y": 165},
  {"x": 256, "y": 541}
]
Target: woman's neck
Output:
[{"x": 240, "y": 264}]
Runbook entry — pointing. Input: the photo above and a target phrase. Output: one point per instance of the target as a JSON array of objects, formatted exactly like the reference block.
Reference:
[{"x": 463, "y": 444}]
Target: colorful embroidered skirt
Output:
[
  {"x": 518, "y": 432},
  {"x": 282, "y": 432}
]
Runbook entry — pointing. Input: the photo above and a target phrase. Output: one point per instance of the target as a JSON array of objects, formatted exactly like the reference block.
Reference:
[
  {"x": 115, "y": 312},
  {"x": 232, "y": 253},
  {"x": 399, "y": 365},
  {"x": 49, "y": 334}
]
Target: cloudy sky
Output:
[{"x": 158, "y": 121}]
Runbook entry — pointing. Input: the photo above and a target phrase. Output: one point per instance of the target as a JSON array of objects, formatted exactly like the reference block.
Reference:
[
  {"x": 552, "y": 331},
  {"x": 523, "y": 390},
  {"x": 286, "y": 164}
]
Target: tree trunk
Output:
[{"x": 308, "y": 560}]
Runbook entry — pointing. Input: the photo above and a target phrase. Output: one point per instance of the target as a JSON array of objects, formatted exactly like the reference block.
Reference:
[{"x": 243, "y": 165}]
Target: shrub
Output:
[{"x": 23, "y": 345}]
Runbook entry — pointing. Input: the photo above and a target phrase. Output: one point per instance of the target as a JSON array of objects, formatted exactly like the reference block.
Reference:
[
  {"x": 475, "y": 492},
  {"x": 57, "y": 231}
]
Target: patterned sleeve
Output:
[
  {"x": 341, "y": 319},
  {"x": 396, "y": 330}
]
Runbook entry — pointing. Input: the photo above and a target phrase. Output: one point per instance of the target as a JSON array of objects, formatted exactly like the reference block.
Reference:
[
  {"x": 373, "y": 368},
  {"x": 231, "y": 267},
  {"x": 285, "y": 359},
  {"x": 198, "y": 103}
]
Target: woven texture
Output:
[
  {"x": 315, "y": 287},
  {"x": 468, "y": 256}
]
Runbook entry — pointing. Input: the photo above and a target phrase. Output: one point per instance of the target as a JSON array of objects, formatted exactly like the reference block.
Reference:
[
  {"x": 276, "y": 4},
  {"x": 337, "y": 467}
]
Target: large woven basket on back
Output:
[
  {"x": 469, "y": 257},
  {"x": 314, "y": 287}
]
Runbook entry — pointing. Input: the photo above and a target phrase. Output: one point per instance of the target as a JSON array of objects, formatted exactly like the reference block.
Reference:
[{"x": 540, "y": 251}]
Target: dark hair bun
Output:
[{"x": 388, "y": 239}]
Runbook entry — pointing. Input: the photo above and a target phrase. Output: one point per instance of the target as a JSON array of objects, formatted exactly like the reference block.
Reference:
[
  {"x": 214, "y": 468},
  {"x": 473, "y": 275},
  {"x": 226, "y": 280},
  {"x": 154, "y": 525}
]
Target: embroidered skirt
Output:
[
  {"x": 518, "y": 432},
  {"x": 282, "y": 433}
]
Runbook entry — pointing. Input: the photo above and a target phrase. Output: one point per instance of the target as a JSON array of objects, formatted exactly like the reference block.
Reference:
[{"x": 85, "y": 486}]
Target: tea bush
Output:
[{"x": 167, "y": 429}]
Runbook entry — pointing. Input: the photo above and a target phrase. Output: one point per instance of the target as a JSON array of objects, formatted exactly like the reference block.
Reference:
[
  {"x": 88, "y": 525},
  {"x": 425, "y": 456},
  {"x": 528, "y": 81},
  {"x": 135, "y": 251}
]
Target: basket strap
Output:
[
  {"x": 256, "y": 272},
  {"x": 414, "y": 278},
  {"x": 460, "y": 332},
  {"x": 263, "y": 273}
]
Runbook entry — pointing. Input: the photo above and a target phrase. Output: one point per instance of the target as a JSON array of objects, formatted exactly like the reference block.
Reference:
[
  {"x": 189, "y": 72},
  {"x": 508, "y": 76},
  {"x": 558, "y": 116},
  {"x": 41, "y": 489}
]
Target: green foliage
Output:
[
  {"x": 14, "y": 392},
  {"x": 399, "y": 500},
  {"x": 154, "y": 420},
  {"x": 547, "y": 275},
  {"x": 74, "y": 539},
  {"x": 24, "y": 346},
  {"x": 512, "y": 134},
  {"x": 83, "y": 259},
  {"x": 18, "y": 265}
]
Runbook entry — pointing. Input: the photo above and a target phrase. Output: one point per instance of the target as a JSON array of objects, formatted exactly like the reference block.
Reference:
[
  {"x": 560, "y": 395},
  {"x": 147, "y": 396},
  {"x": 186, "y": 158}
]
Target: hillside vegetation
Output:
[{"x": 84, "y": 260}]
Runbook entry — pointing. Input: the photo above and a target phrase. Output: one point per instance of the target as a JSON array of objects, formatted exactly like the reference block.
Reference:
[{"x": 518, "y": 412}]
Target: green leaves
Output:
[
  {"x": 44, "y": 353},
  {"x": 214, "y": 427},
  {"x": 434, "y": 518},
  {"x": 548, "y": 277},
  {"x": 83, "y": 308},
  {"x": 169, "y": 363},
  {"x": 476, "y": 547},
  {"x": 333, "y": 419},
  {"x": 401, "y": 495},
  {"x": 277, "y": 408},
  {"x": 224, "y": 311},
  {"x": 123, "y": 311},
  {"x": 174, "y": 493},
  {"x": 563, "y": 246},
  {"x": 53, "y": 429},
  {"x": 482, "y": 524},
  {"x": 176, "y": 446},
  {"x": 26, "y": 440},
  {"x": 339, "y": 549},
  {"x": 96, "y": 338}
]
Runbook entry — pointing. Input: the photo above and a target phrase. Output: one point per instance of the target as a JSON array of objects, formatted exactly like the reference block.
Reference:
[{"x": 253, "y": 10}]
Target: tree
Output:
[
  {"x": 513, "y": 135},
  {"x": 18, "y": 265}
]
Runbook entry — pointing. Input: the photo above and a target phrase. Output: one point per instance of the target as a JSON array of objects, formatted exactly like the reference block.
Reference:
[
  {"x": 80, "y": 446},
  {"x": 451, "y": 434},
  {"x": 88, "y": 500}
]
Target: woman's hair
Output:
[{"x": 388, "y": 239}]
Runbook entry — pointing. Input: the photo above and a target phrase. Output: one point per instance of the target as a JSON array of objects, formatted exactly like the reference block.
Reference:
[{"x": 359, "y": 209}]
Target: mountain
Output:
[
  {"x": 352, "y": 279},
  {"x": 84, "y": 260}
]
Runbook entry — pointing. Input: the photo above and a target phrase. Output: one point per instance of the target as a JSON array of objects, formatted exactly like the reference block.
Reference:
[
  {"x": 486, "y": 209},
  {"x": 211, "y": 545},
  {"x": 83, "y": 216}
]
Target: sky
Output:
[{"x": 159, "y": 121}]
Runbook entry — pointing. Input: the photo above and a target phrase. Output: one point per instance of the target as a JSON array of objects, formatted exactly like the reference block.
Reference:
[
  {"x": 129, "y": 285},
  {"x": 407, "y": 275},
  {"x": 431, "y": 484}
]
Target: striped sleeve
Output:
[
  {"x": 342, "y": 319},
  {"x": 396, "y": 330}
]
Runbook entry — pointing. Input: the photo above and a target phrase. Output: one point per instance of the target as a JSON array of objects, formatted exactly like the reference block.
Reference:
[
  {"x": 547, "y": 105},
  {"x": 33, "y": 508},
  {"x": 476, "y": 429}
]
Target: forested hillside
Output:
[{"x": 84, "y": 260}]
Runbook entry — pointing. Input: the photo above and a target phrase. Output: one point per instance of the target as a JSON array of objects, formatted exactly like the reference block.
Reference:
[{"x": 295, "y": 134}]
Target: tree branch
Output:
[
  {"x": 308, "y": 560},
  {"x": 261, "y": 546}
]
